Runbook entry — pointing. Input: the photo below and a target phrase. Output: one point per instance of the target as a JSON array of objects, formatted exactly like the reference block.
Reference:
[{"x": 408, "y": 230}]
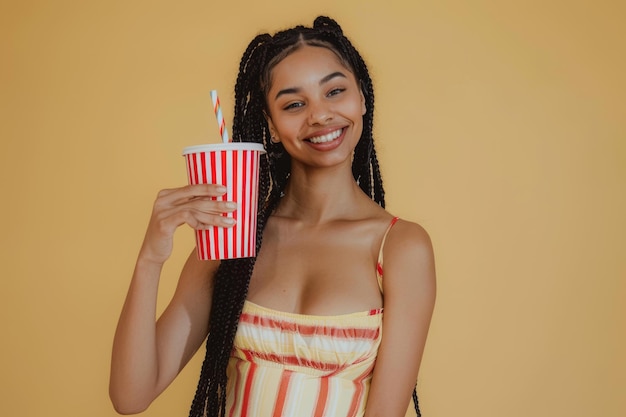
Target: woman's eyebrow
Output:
[
  {"x": 295, "y": 90},
  {"x": 331, "y": 76}
]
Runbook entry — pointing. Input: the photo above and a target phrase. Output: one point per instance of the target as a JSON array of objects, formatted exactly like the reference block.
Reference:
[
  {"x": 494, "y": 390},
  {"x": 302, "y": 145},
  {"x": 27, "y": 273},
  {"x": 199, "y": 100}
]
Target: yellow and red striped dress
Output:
[{"x": 286, "y": 364}]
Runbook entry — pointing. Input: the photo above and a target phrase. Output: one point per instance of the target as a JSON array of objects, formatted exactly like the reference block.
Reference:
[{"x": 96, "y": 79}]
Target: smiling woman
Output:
[
  {"x": 315, "y": 106},
  {"x": 297, "y": 330}
]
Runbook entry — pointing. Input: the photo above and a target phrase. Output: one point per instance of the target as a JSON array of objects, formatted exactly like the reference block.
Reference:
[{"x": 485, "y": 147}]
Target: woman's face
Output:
[{"x": 315, "y": 107}]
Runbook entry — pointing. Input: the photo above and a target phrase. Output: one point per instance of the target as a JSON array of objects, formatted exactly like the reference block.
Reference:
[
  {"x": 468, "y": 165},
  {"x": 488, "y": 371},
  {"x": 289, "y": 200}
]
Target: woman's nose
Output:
[{"x": 319, "y": 113}]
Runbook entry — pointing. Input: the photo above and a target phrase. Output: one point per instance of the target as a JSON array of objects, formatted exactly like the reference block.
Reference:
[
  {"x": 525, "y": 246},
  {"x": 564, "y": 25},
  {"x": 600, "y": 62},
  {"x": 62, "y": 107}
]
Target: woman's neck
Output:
[{"x": 317, "y": 196}]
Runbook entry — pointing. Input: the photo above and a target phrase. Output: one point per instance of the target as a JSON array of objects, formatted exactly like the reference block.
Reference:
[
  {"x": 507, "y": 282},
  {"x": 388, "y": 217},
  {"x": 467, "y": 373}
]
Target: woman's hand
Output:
[
  {"x": 195, "y": 205},
  {"x": 147, "y": 356}
]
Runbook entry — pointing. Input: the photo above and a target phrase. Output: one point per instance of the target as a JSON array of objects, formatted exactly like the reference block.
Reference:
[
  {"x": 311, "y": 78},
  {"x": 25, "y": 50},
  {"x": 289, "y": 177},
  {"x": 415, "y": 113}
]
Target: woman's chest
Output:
[
  {"x": 310, "y": 278},
  {"x": 317, "y": 270}
]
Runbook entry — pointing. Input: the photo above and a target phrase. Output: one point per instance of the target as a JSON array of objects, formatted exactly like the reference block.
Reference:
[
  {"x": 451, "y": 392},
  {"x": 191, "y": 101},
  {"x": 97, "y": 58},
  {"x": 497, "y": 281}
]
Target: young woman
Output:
[{"x": 316, "y": 324}]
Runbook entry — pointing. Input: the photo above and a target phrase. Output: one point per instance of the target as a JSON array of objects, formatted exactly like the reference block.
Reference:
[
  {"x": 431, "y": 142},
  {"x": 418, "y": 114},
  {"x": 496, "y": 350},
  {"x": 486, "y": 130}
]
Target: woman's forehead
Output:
[{"x": 306, "y": 62}]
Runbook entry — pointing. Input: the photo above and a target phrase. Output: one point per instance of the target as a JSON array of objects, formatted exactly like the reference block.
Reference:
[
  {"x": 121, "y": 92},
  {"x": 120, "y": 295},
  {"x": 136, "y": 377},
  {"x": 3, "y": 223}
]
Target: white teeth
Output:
[{"x": 326, "y": 138}]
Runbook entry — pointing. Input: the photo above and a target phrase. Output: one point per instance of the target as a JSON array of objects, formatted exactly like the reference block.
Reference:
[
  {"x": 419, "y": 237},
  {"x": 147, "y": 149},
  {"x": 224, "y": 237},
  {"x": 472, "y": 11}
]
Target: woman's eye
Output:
[
  {"x": 293, "y": 105},
  {"x": 335, "y": 91}
]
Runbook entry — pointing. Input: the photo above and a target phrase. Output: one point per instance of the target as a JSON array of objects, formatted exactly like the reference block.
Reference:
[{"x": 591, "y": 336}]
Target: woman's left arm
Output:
[{"x": 409, "y": 297}]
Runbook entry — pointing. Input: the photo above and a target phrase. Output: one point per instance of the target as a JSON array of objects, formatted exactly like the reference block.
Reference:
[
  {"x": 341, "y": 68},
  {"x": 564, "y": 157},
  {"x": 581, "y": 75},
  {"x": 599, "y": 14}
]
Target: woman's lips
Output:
[{"x": 328, "y": 137}]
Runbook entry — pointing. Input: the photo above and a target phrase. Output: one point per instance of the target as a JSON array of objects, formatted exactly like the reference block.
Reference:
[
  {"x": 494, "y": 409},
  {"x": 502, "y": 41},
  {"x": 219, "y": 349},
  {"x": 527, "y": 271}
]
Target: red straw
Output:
[{"x": 217, "y": 109}]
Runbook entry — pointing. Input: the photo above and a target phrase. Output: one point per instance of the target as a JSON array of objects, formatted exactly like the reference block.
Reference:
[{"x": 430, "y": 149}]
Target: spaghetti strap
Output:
[{"x": 379, "y": 263}]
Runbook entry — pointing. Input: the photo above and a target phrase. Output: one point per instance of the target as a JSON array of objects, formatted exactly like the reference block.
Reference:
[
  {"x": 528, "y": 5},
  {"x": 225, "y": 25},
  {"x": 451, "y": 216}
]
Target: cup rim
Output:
[{"x": 230, "y": 146}]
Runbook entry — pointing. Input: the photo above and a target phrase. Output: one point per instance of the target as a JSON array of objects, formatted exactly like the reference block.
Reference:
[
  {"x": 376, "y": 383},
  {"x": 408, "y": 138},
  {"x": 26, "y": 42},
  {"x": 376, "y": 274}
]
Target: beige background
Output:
[{"x": 501, "y": 127}]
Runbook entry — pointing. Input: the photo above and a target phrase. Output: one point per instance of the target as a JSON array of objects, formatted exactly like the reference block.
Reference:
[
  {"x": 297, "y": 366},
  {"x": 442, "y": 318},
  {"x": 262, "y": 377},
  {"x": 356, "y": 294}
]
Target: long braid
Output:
[
  {"x": 249, "y": 125},
  {"x": 365, "y": 165}
]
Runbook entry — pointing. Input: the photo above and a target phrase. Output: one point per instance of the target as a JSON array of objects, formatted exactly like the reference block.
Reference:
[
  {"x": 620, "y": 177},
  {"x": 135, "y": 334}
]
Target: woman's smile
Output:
[{"x": 328, "y": 137}]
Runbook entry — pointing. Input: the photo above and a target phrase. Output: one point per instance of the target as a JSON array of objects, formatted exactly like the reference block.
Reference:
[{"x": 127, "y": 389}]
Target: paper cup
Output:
[{"x": 236, "y": 166}]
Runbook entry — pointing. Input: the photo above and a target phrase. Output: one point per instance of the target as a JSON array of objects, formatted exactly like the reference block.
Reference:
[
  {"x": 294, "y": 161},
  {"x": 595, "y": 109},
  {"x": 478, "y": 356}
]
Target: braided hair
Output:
[{"x": 249, "y": 125}]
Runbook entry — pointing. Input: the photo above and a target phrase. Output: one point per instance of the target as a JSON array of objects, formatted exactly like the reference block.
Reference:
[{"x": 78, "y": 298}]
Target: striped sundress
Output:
[{"x": 294, "y": 365}]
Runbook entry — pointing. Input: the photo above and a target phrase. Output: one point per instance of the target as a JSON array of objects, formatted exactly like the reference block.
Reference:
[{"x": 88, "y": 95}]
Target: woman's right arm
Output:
[{"x": 148, "y": 354}]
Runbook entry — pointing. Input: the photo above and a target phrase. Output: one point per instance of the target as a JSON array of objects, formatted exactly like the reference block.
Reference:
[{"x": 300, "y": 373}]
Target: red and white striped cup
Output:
[{"x": 236, "y": 166}]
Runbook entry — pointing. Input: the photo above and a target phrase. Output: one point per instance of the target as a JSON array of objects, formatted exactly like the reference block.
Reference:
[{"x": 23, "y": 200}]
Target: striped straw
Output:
[{"x": 217, "y": 108}]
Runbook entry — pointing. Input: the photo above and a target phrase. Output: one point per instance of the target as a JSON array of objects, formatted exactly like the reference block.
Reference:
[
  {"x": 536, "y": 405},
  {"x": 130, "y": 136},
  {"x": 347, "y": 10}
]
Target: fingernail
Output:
[
  {"x": 229, "y": 220},
  {"x": 220, "y": 189},
  {"x": 231, "y": 206}
]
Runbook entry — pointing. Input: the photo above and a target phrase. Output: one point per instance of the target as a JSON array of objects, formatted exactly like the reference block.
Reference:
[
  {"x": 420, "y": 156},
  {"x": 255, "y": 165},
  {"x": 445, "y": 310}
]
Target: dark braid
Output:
[
  {"x": 249, "y": 125},
  {"x": 416, "y": 403}
]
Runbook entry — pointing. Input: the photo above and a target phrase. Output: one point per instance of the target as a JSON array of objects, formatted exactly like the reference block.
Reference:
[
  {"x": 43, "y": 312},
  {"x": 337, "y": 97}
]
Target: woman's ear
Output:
[
  {"x": 363, "y": 106},
  {"x": 273, "y": 136}
]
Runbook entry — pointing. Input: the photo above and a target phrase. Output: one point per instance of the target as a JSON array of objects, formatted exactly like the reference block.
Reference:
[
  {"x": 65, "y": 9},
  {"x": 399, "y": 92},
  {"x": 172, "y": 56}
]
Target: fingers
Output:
[
  {"x": 200, "y": 220},
  {"x": 200, "y": 213},
  {"x": 197, "y": 205},
  {"x": 190, "y": 192}
]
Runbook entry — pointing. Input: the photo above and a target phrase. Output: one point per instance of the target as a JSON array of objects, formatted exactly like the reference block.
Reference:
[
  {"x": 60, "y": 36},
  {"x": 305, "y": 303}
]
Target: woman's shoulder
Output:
[
  {"x": 409, "y": 261},
  {"x": 408, "y": 232},
  {"x": 407, "y": 241}
]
